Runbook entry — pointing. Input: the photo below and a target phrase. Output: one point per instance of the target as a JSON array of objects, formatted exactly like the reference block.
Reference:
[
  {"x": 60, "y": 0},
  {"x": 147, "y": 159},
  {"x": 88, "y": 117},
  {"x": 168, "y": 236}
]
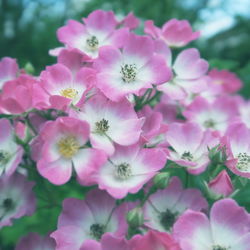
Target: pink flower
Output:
[
  {"x": 163, "y": 208},
  {"x": 83, "y": 222},
  {"x": 189, "y": 75},
  {"x": 128, "y": 71},
  {"x": 98, "y": 30},
  {"x": 214, "y": 116},
  {"x": 228, "y": 228},
  {"x": 10, "y": 153},
  {"x": 190, "y": 146},
  {"x": 129, "y": 169},
  {"x": 154, "y": 240},
  {"x": 237, "y": 142},
  {"x": 62, "y": 146},
  {"x": 34, "y": 241},
  {"x": 8, "y": 70},
  {"x": 64, "y": 88},
  {"x": 16, "y": 198},
  {"x": 225, "y": 81},
  {"x": 110, "y": 122},
  {"x": 221, "y": 185},
  {"x": 22, "y": 94},
  {"x": 176, "y": 33}
]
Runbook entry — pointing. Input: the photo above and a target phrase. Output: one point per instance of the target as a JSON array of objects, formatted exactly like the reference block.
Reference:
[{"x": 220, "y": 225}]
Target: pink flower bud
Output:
[{"x": 221, "y": 184}]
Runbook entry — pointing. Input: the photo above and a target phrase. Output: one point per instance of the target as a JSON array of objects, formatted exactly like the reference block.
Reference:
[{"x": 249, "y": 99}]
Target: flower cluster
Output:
[{"x": 160, "y": 141}]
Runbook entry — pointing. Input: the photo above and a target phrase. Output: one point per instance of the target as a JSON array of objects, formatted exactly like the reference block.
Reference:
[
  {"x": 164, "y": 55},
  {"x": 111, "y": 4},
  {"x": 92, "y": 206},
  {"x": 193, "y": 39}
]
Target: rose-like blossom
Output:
[
  {"x": 164, "y": 207},
  {"x": 10, "y": 152},
  {"x": 65, "y": 88},
  {"x": 128, "y": 169},
  {"x": 16, "y": 198},
  {"x": 98, "y": 30},
  {"x": 83, "y": 222},
  {"x": 228, "y": 228},
  {"x": 224, "y": 81},
  {"x": 21, "y": 95},
  {"x": 221, "y": 185},
  {"x": 189, "y": 75},
  {"x": 213, "y": 116},
  {"x": 134, "y": 68},
  {"x": 8, "y": 70},
  {"x": 34, "y": 241},
  {"x": 190, "y": 146},
  {"x": 62, "y": 147},
  {"x": 110, "y": 122},
  {"x": 175, "y": 33},
  {"x": 237, "y": 142}
]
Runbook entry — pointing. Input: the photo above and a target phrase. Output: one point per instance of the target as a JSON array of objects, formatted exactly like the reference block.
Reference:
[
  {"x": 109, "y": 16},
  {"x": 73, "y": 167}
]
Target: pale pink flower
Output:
[
  {"x": 64, "y": 88},
  {"x": 224, "y": 81},
  {"x": 98, "y": 30},
  {"x": 163, "y": 208},
  {"x": 10, "y": 153},
  {"x": 228, "y": 228},
  {"x": 82, "y": 223},
  {"x": 110, "y": 122},
  {"x": 62, "y": 148},
  {"x": 8, "y": 70},
  {"x": 128, "y": 169},
  {"x": 34, "y": 241},
  {"x": 189, "y": 75},
  {"x": 221, "y": 185},
  {"x": 214, "y": 116},
  {"x": 190, "y": 146},
  {"x": 134, "y": 68},
  {"x": 16, "y": 198},
  {"x": 175, "y": 33},
  {"x": 237, "y": 142}
]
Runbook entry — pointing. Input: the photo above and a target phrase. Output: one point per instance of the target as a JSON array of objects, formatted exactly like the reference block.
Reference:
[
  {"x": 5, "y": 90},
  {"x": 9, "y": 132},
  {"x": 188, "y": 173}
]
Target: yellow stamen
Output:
[
  {"x": 68, "y": 146},
  {"x": 69, "y": 93}
]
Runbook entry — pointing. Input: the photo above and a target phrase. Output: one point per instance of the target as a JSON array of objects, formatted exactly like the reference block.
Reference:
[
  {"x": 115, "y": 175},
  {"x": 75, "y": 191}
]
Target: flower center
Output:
[
  {"x": 243, "y": 163},
  {"x": 8, "y": 204},
  {"x": 97, "y": 230},
  {"x": 123, "y": 171},
  {"x": 210, "y": 123},
  {"x": 216, "y": 247},
  {"x": 102, "y": 126},
  {"x": 129, "y": 72},
  {"x": 168, "y": 219},
  {"x": 92, "y": 43},
  {"x": 4, "y": 157},
  {"x": 187, "y": 156},
  {"x": 68, "y": 146},
  {"x": 69, "y": 93}
]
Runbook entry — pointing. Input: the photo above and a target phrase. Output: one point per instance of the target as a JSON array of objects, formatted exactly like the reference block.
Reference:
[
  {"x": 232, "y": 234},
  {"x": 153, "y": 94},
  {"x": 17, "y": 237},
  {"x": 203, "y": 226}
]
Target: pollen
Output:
[
  {"x": 243, "y": 163},
  {"x": 128, "y": 72},
  {"x": 97, "y": 230},
  {"x": 102, "y": 126},
  {"x": 123, "y": 171},
  {"x": 4, "y": 157},
  {"x": 210, "y": 123},
  {"x": 92, "y": 43},
  {"x": 69, "y": 93},
  {"x": 187, "y": 156},
  {"x": 68, "y": 146}
]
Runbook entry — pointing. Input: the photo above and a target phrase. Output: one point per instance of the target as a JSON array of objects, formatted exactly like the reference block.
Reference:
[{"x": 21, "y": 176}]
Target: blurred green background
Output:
[
  {"x": 28, "y": 30},
  {"x": 28, "y": 27}
]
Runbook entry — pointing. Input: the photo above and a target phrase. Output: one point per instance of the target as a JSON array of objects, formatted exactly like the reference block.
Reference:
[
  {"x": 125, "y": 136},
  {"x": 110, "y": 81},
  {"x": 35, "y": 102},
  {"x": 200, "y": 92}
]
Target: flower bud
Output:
[
  {"x": 217, "y": 155},
  {"x": 221, "y": 185},
  {"x": 135, "y": 217},
  {"x": 161, "y": 180},
  {"x": 29, "y": 68}
]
